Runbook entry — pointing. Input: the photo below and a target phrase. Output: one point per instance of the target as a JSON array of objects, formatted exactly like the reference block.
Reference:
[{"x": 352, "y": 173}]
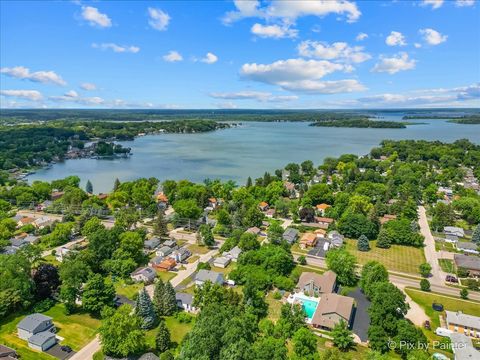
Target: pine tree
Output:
[
  {"x": 116, "y": 184},
  {"x": 476, "y": 235},
  {"x": 89, "y": 187},
  {"x": 249, "y": 182},
  {"x": 162, "y": 340},
  {"x": 144, "y": 309},
  {"x": 158, "y": 294},
  {"x": 383, "y": 239},
  {"x": 160, "y": 225},
  {"x": 169, "y": 300},
  {"x": 362, "y": 243}
]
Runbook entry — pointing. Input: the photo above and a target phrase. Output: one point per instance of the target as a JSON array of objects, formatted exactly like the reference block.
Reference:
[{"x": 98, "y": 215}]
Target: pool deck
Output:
[{"x": 299, "y": 298}]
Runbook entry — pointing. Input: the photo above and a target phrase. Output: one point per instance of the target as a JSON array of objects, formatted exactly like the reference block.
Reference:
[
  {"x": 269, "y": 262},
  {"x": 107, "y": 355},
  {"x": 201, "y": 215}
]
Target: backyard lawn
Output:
[
  {"x": 166, "y": 275},
  {"x": 198, "y": 249},
  {"x": 447, "y": 265},
  {"x": 398, "y": 258},
  {"x": 77, "y": 329},
  {"x": 177, "y": 329},
  {"x": 274, "y": 307},
  {"x": 128, "y": 290}
]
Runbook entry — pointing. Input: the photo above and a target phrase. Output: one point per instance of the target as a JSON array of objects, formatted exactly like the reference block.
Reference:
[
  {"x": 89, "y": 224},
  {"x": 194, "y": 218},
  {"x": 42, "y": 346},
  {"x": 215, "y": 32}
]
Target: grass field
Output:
[
  {"x": 127, "y": 290},
  {"x": 177, "y": 330},
  {"x": 446, "y": 265},
  {"x": 274, "y": 307},
  {"x": 198, "y": 249},
  {"x": 398, "y": 258},
  {"x": 166, "y": 275},
  {"x": 77, "y": 329}
]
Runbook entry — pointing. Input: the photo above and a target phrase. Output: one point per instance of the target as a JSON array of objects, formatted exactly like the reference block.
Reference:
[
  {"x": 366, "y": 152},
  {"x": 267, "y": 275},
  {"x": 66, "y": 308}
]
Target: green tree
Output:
[
  {"x": 253, "y": 217},
  {"x": 372, "y": 272},
  {"x": 162, "y": 339},
  {"x": 97, "y": 294},
  {"x": 476, "y": 235},
  {"x": 91, "y": 226},
  {"x": 363, "y": 244},
  {"x": 302, "y": 260},
  {"x": 144, "y": 309},
  {"x": 169, "y": 300},
  {"x": 292, "y": 318},
  {"x": 248, "y": 241},
  {"x": 206, "y": 235},
  {"x": 187, "y": 209},
  {"x": 384, "y": 240},
  {"x": 89, "y": 187},
  {"x": 275, "y": 233},
  {"x": 464, "y": 293},
  {"x": 408, "y": 338},
  {"x": 425, "y": 269},
  {"x": 116, "y": 184},
  {"x": 160, "y": 225},
  {"x": 342, "y": 336},
  {"x": 158, "y": 295},
  {"x": 121, "y": 334},
  {"x": 73, "y": 273},
  {"x": 378, "y": 338},
  {"x": 341, "y": 262},
  {"x": 425, "y": 285},
  {"x": 269, "y": 348},
  {"x": 305, "y": 344}
]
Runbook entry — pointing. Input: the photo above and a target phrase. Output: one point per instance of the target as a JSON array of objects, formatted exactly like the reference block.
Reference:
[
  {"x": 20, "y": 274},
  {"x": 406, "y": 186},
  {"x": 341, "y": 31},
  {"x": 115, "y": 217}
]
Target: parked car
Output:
[
  {"x": 66, "y": 348},
  {"x": 437, "y": 307},
  {"x": 426, "y": 325},
  {"x": 451, "y": 278}
]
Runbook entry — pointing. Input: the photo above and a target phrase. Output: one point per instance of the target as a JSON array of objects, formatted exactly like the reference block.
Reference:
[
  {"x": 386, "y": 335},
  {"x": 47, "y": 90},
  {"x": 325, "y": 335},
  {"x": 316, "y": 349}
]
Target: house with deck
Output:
[{"x": 308, "y": 240}]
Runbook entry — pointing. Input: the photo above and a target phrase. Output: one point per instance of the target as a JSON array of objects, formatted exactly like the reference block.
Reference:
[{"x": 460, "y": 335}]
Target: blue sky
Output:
[{"x": 240, "y": 54}]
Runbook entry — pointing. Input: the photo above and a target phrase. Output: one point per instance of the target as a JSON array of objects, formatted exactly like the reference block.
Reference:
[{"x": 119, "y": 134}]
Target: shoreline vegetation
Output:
[
  {"x": 470, "y": 119},
  {"x": 364, "y": 123}
]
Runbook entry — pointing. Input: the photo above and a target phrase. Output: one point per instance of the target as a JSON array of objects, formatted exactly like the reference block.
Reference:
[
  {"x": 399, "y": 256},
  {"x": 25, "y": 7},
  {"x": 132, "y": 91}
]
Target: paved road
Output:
[
  {"x": 86, "y": 353},
  {"x": 67, "y": 245},
  {"x": 431, "y": 255},
  {"x": 36, "y": 214}
]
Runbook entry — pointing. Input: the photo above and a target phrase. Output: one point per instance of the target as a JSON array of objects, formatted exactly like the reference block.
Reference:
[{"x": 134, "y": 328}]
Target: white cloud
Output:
[
  {"x": 433, "y": 37},
  {"x": 73, "y": 97},
  {"x": 44, "y": 77},
  {"x": 463, "y": 3},
  {"x": 361, "y": 36},
  {"x": 158, "y": 19},
  {"x": 71, "y": 93},
  {"x": 337, "y": 50},
  {"x": 33, "y": 95},
  {"x": 273, "y": 31},
  {"x": 173, "y": 56},
  {"x": 395, "y": 39},
  {"x": 210, "y": 58},
  {"x": 417, "y": 45},
  {"x": 289, "y": 11},
  {"x": 95, "y": 18},
  {"x": 300, "y": 75},
  {"x": 117, "y": 48},
  {"x": 435, "y": 4},
  {"x": 88, "y": 86},
  {"x": 468, "y": 92},
  {"x": 253, "y": 95},
  {"x": 227, "y": 105},
  {"x": 392, "y": 65}
]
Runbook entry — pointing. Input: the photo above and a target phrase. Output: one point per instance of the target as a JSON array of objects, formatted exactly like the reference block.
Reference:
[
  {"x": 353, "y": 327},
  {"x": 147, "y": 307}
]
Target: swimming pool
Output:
[{"x": 309, "y": 306}]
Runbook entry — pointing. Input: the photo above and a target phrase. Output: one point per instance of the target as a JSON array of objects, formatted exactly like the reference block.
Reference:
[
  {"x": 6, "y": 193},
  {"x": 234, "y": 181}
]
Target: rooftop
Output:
[
  {"x": 460, "y": 318},
  {"x": 31, "y": 322},
  {"x": 329, "y": 305},
  {"x": 467, "y": 262}
]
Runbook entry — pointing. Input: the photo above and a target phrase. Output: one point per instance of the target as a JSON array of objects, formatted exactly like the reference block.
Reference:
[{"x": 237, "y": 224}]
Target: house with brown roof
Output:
[
  {"x": 166, "y": 265},
  {"x": 57, "y": 195},
  {"x": 320, "y": 233},
  {"x": 315, "y": 284},
  {"x": 25, "y": 221},
  {"x": 321, "y": 208},
  {"x": 308, "y": 240},
  {"x": 387, "y": 217},
  {"x": 263, "y": 206},
  {"x": 331, "y": 310},
  {"x": 325, "y": 221},
  {"x": 253, "y": 230}
]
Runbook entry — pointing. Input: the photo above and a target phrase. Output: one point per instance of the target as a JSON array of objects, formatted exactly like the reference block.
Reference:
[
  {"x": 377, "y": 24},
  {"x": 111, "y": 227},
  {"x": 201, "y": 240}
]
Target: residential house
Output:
[
  {"x": 208, "y": 275},
  {"x": 263, "y": 206},
  {"x": 331, "y": 310},
  {"x": 155, "y": 261},
  {"x": 320, "y": 233},
  {"x": 166, "y": 265},
  {"x": 144, "y": 274},
  {"x": 453, "y": 230},
  {"x": 43, "y": 222},
  {"x": 21, "y": 241},
  {"x": 61, "y": 253},
  {"x": 324, "y": 221},
  {"x": 172, "y": 243},
  {"x": 7, "y": 353},
  {"x": 468, "y": 247},
  {"x": 180, "y": 255},
  {"x": 212, "y": 203},
  {"x": 308, "y": 240},
  {"x": 386, "y": 218},
  {"x": 102, "y": 196},
  {"x": 270, "y": 213},
  {"x": 9, "y": 250},
  {"x": 290, "y": 235},
  {"x": 44, "y": 205},
  {"x": 253, "y": 230},
  {"x": 336, "y": 239},
  {"x": 162, "y": 201},
  {"x": 290, "y": 187},
  {"x": 452, "y": 239},
  {"x": 221, "y": 262},
  {"x": 151, "y": 244},
  {"x": 459, "y": 322},
  {"x": 25, "y": 221},
  {"x": 233, "y": 254},
  {"x": 185, "y": 302},
  {"x": 469, "y": 263},
  {"x": 164, "y": 251},
  {"x": 315, "y": 284},
  {"x": 321, "y": 208},
  {"x": 462, "y": 347},
  {"x": 38, "y": 330}
]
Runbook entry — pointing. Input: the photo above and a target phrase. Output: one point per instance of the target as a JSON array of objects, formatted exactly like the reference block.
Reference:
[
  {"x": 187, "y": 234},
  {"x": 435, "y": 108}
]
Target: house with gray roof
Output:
[
  {"x": 453, "y": 230},
  {"x": 459, "y": 322},
  {"x": 469, "y": 263},
  {"x": 468, "y": 247},
  {"x": 143, "y": 274},
  {"x": 155, "y": 261},
  {"x": 7, "y": 353},
  {"x": 463, "y": 348},
  {"x": 221, "y": 261},
  {"x": 233, "y": 254},
  {"x": 180, "y": 255},
  {"x": 185, "y": 302},
  {"x": 164, "y": 251},
  {"x": 290, "y": 235},
  {"x": 9, "y": 250},
  {"x": 207, "y": 275},
  {"x": 32, "y": 324},
  {"x": 151, "y": 244},
  {"x": 42, "y": 341},
  {"x": 170, "y": 243}
]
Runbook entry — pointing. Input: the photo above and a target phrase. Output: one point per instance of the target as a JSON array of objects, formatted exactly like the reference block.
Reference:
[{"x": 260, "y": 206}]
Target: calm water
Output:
[{"x": 249, "y": 150}]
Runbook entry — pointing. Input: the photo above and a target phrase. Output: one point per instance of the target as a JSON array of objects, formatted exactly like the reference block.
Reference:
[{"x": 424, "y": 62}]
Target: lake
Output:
[{"x": 248, "y": 150}]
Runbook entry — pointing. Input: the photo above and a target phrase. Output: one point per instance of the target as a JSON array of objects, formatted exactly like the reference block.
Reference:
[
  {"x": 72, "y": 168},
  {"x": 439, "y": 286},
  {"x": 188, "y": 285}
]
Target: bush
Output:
[
  {"x": 464, "y": 294},
  {"x": 283, "y": 283},
  {"x": 203, "y": 266},
  {"x": 183, "y": 317},
  {"x": 277, "y": 295},
  {"x": 472, "y": 284},
  {"x": 43, "y": 305},
  {"x": 425, "y": 285},
  {"x": 302, "y": 260}
]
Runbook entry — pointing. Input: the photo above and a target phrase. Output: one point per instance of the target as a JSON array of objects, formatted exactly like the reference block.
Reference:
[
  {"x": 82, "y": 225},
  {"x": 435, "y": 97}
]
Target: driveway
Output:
[
  {"x": 431, "y": 254},
  {"x": 361, "y": 319},
  {"x": 56, "y": 351},
  {"x": 319, "y": 250},
  {"x": 86, "y": 353}
]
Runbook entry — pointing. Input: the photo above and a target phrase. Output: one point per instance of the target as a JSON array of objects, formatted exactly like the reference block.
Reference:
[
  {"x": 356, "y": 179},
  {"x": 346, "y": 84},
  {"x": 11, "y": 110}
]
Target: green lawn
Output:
[
  {"x": 77, "y": 329},
  {"x": 198, "y": 249},
  {"x": 447, "y": 265},
  {"x": 398, "y": 258},
  {"x": 177, "y": 329},
  {"x": 296, "y": 248},
  {"x": 128, "y": 290},
  {"x": 274, "y": 307},
  {"x": 166, "y": 275},
  {"x": 445, "y": 246}
]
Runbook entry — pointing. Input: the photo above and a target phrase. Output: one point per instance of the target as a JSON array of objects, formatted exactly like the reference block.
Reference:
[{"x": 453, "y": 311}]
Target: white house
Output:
[
  {"x": 233, "y": 254},
  {"x": 185, "y": 302},
  {"x": 38, "y": 330},
  {"x": 207, "y": 275},
  {"x": 221, "y": 262},
  {"x": 143, "y": 274},
  {"x": 453, "y": 230}
]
